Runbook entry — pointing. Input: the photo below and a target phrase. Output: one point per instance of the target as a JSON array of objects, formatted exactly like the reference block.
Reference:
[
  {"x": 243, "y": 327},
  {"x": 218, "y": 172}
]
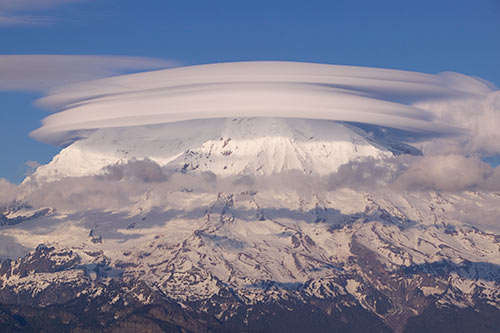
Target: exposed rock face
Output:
[{"x": 21, "y": 213}]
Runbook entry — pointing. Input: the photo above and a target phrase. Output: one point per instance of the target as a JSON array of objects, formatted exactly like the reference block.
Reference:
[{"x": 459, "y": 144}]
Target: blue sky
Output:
[{"x": 426, "y": 36}]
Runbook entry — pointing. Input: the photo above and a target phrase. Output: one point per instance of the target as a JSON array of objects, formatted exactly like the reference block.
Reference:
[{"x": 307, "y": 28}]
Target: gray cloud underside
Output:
[{"x": 381, "y": 97}]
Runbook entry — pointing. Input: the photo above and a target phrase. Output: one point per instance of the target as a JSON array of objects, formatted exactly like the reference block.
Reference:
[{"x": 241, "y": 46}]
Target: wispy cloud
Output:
[
  {"x": 24, "y": 12},
  {"x": 13, "y": 20},
  {"x": 43, "y": 72},
  {"x": 31, "y": 4}
]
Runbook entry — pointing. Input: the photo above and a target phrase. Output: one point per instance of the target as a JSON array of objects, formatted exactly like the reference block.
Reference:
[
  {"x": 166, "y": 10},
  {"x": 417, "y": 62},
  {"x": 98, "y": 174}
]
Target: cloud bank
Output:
[
  {"x": 45, "y": 72},
  {"x": 404, "y": 100},
  {"x": 144, "y": 182}
]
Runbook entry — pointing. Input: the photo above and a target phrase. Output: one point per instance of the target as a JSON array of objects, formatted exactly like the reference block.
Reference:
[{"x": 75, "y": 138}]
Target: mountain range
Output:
[{"x": 248, "y": 225}]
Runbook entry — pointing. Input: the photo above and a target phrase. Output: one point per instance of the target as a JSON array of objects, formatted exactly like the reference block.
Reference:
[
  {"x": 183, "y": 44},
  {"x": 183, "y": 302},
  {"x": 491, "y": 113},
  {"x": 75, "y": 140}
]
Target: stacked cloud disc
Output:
[{"x": 255, "y": 89}]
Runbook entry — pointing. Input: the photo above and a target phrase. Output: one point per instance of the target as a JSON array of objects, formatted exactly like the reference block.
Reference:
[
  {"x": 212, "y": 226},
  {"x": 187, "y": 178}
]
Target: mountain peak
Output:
[{"x": 230, "y": 146}]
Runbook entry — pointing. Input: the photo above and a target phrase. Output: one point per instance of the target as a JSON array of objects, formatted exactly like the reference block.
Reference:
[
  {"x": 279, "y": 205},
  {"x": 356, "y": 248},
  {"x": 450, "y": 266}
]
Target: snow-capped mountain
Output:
[
  {"x": 254, "y": 146},
  {"x": 254, "y": 259}
]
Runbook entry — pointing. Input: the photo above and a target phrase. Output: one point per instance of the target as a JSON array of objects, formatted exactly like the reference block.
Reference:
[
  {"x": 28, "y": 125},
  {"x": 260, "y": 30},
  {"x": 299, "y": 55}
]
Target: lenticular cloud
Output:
[{"x": 381, "y": 97}]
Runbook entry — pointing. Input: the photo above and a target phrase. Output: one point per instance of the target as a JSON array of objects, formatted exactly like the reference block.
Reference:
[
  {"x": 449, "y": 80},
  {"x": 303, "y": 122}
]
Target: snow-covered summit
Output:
[{"x": 255, "y": 146}]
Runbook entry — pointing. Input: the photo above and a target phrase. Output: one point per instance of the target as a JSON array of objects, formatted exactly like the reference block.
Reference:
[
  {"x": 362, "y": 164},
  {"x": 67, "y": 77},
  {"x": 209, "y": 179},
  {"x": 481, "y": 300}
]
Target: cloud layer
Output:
[
  {"x": 259, "y": 89},
  {"x": 144, "y": 182}
]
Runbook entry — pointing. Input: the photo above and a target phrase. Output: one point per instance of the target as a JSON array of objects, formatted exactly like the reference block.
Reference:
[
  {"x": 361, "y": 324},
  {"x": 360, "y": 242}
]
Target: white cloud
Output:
[
  {"x": 480, "y": 117},
  {"x": 43, "y": 72},
  {"x": 8, "y": 192},
  {"x": 448, "y": 173}
]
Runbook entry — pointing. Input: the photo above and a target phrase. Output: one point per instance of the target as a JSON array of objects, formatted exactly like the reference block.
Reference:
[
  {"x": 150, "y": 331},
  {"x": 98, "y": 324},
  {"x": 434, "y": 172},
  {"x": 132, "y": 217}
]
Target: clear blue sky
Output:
[{"x": 426, "y": 36}]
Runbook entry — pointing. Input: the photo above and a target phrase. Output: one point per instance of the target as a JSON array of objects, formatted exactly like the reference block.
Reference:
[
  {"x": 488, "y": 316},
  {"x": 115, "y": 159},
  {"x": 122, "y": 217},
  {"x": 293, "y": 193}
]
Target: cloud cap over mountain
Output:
[{"x": 382, "y": 97}]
